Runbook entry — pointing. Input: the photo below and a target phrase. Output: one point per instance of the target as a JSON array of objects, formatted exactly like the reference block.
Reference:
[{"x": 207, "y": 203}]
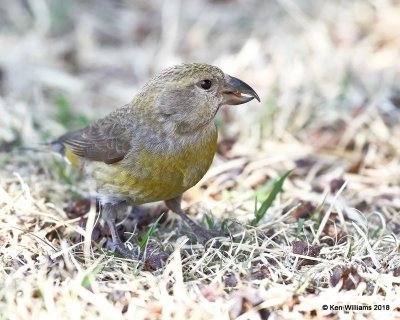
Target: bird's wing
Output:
[{"x": 105, "y": 140}]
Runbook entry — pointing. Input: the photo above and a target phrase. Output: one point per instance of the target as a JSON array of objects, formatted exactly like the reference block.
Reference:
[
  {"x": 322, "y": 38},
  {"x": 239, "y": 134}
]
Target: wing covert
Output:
[{"x": 102, "y": 141}]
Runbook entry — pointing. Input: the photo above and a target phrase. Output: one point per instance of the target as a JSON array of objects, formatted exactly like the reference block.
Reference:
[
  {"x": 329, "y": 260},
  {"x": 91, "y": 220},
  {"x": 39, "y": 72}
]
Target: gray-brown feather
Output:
[{"x": 104, "y": 141}]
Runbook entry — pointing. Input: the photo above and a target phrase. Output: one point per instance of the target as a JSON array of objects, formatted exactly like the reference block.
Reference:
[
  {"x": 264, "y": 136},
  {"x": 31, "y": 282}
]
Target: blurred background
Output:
[{"x": 65, "y": 63}]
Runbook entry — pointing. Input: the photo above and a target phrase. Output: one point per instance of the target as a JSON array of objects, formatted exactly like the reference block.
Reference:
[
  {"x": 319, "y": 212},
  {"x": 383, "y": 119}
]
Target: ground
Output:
[{"x": 324, "y": 242}]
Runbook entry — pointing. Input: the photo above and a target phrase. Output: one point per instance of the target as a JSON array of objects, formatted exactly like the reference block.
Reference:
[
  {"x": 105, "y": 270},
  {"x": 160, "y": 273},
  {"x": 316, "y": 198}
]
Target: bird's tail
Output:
[
  {"x": 54, "y": 146},
  {"x": 57, "y": 148}
]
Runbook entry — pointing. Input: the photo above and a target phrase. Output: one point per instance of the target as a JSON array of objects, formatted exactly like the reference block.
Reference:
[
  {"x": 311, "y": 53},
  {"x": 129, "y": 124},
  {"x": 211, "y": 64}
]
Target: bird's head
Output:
[{"x": 188, "y": 96}]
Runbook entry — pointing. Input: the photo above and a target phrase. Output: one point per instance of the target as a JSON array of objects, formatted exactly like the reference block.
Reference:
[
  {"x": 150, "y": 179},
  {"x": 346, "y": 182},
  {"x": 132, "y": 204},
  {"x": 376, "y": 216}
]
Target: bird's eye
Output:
[{"x": 205, "y": 84}]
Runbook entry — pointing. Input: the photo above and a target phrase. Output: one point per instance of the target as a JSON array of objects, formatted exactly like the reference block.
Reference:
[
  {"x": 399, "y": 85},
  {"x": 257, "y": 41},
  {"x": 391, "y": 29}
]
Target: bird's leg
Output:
[
  {"x": 109, "y": 213},
  {"x": 203, "y": 235}
]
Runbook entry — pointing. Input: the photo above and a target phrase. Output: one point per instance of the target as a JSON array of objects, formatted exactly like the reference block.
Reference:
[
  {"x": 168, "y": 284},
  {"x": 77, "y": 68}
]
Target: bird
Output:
[{"x": 157, "y": 146}]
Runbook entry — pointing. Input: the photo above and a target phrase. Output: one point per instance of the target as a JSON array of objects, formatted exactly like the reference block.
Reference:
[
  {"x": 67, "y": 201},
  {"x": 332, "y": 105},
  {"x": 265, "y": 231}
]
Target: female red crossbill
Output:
[{"x": 157, "y": 146}]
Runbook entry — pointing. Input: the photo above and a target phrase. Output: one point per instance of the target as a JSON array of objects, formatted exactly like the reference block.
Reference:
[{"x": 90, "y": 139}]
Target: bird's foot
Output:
[
  {"x": 152, "y": 261},
  {"x": 205, "y": 235},
  {"x": 120, "y": 248}
]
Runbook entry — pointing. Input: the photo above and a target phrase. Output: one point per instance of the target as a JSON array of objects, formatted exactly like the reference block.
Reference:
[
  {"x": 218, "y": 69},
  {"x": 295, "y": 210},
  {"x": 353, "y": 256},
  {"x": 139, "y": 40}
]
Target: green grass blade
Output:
[
  {"x": 149, "y": 233},
  {"x": 210, "y": 221},
  {"x": 277, "y": 187}
]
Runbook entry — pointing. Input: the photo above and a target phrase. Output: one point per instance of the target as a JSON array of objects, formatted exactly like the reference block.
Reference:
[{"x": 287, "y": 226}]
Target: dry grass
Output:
[{"x": 328, "y": 76}]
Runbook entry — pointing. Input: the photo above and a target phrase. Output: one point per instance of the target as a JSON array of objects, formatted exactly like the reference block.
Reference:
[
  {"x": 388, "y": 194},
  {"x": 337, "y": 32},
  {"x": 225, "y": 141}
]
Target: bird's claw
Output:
[
  {"x": 119, "y": 247},
  {"x": 204, "y": 235}
]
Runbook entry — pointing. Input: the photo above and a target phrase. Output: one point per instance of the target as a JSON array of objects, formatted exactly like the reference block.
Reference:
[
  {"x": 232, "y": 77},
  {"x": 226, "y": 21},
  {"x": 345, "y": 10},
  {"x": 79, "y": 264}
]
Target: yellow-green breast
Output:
[{"x": 155, "y": 176}]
